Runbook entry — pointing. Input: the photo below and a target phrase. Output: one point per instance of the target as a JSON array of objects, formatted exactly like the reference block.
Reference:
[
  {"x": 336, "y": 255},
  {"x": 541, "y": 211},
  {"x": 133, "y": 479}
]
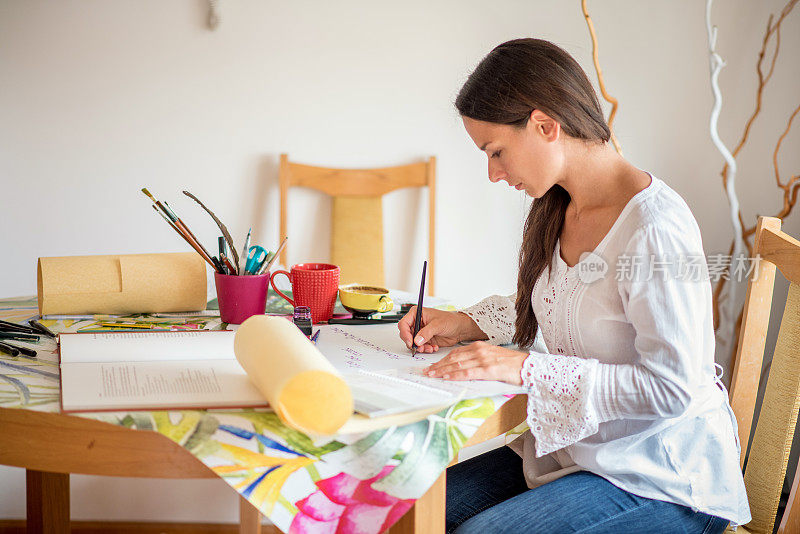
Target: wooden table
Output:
[
  {"x": 427, "y": 514},
  {"x": 50, "y": 446}
]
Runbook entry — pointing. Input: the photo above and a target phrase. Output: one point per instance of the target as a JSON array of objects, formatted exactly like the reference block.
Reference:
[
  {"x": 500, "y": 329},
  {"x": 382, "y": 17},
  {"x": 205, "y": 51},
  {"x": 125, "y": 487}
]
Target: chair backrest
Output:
[
  {"x": 772, "y": 440},
  {"x": 357, "y": 215}
]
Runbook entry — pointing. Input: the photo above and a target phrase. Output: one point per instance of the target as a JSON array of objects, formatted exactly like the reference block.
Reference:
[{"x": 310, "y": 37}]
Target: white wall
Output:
[{"x": 98, "y": 99}]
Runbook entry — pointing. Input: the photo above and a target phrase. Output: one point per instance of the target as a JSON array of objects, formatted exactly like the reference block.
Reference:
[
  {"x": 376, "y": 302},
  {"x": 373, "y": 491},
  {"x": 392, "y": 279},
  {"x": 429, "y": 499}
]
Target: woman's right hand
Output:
[{"x": 438, "y": 329}]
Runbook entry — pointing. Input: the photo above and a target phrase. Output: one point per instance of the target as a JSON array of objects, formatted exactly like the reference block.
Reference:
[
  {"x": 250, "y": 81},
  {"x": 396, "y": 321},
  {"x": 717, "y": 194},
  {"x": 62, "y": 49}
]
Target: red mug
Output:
[{"x": 314, "y": 285}]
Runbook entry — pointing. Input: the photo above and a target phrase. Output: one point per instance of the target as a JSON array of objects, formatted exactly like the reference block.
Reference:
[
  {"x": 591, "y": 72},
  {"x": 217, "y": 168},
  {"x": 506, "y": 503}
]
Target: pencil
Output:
[{"x": 127, "y": 325}]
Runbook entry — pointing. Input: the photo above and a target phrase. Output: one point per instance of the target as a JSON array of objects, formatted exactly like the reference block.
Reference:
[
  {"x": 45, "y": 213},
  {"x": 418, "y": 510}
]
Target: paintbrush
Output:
[
  {"x": 182, "y": 225},
  {"x": 184, "y": 236},
  {"x": 178, "y": 222},
  {"x": 179, "y": 227},
  {"x": 159, "y": 206}
]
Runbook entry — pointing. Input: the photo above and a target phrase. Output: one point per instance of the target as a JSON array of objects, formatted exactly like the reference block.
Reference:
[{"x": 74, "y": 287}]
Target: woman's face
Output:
[{"x": 530, "y": 158}]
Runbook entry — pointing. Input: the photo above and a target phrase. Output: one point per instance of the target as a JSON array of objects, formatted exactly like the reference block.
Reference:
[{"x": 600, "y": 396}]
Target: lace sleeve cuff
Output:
[
  {"x": 494, "y": 315},
  {"x": 560, "y": 407}
]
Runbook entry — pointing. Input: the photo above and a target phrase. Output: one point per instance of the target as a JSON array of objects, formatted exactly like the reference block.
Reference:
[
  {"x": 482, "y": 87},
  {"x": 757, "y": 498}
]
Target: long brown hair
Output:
[{"x": 507, "y": 85}]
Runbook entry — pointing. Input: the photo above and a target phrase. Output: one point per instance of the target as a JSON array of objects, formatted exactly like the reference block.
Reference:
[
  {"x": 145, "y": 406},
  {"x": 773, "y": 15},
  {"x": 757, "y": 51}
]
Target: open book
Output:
[
  {"x": 173, "y": 370},
  {"x": 153, "y": 371}
]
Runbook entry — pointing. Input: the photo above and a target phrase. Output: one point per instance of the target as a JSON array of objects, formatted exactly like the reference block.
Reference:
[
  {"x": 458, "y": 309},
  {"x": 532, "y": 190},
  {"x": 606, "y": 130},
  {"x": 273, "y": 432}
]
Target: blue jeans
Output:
[{"x": 487, "y": 494}]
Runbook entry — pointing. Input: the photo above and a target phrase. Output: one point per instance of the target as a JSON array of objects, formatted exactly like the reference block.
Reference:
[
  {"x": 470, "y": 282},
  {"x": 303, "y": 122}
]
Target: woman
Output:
[{"x": 630, "y": 428}]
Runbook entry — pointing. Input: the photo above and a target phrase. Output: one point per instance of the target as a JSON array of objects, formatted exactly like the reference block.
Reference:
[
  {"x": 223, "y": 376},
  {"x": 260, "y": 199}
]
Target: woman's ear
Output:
[{"x": 545, "y": 125}]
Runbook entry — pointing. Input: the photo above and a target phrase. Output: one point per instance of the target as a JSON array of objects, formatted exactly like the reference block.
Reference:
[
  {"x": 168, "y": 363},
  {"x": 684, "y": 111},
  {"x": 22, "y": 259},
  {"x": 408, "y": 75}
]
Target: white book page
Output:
[
  {"x": 165, "y": 384},
  {"x": 468, "y": 389},
  {"x": 378, "y": 349},
  {"x": 376, "y": 395},
  {"x": 146, "y": 346},
  {"x": 370, "y": 347}
]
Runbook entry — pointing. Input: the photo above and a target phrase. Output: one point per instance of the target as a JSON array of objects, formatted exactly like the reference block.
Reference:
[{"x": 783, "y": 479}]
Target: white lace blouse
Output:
[{"x": 624, "y": 383}]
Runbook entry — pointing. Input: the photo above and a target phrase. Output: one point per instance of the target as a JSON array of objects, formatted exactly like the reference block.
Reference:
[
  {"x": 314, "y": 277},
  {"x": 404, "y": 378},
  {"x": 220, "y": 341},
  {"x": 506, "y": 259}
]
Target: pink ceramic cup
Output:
[{"x": 240, "y": 297}]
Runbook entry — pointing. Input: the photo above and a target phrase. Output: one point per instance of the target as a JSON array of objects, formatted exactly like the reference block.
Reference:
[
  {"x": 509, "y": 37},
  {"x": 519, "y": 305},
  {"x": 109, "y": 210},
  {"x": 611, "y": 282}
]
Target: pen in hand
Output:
[{"x": 418, "y": 318}]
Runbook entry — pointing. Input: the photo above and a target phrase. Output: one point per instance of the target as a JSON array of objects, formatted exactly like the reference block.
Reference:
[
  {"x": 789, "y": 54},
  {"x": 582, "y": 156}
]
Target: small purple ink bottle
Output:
[{"x": 302, "y": 319}]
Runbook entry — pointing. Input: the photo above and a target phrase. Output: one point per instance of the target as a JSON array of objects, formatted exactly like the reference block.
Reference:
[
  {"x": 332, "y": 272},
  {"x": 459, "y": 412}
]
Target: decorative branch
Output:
[
  {"x": 792, "y": 186},
  {"x": 725, "y": 316},
  {"x": 789, "y": 196},
  {"x": 222, "y": 228},
  {"x": 762, "y": 79},
  {"x": 772, "y": 29},
  {"x": 596, "y": 58}
]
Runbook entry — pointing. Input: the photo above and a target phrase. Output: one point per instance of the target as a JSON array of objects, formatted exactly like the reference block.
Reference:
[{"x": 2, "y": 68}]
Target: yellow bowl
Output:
[{"x": 361, "y": 300}]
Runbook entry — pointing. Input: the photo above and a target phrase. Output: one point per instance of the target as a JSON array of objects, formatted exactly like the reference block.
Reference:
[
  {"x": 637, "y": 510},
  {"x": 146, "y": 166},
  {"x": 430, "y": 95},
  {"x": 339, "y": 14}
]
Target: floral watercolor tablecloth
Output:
[{"x": 357, "y": 483}]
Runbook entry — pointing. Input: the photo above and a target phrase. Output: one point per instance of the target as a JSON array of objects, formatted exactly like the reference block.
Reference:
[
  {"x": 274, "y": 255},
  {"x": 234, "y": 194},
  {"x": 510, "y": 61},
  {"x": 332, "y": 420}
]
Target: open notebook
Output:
[{"x": 173, "y": 370}]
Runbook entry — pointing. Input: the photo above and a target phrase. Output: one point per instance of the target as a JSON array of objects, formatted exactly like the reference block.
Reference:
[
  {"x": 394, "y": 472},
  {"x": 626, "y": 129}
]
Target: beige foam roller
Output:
[
  {"x": 303, "y": 388},
  {"x": 121, "y": 284}
]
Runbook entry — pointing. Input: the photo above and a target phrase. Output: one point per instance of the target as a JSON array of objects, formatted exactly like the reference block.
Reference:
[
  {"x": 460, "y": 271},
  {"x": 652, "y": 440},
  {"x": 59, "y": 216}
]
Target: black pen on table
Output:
[
  {"x": 41, "y": 328},
  {"x": 16, "y": 327},
  {"x": 18, "y": 336},
  {"x": 8, "y": 349},
  {"x": 25, "y": 351},
  {"x": 418, "y": 318}
]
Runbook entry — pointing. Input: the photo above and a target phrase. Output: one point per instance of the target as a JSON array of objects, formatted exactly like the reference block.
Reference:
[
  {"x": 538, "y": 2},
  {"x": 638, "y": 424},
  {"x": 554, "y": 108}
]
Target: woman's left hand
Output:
[{"x": 480, "y": 361}]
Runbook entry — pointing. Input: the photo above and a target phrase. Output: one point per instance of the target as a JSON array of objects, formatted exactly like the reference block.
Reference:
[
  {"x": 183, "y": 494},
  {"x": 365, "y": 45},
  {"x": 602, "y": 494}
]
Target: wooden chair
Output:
[
  {"x": 769, "y": 452},
  {"x": 357, "y": 217}
]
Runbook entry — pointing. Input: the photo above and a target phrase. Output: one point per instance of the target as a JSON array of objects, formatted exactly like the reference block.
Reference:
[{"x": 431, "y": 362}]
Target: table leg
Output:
[
  {"x": 249, "y": 517},
  {"x": 427, "y": 514},
  {"x": 47, "y": 502}
]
